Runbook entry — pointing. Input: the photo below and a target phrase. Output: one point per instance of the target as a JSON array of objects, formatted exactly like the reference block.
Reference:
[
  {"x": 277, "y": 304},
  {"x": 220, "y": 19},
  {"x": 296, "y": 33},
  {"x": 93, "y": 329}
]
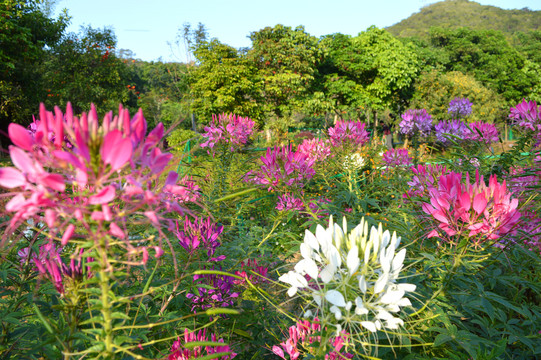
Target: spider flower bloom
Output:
[
  {"x": 315, "y": 149},
  {"x": 351, "y": 278},
  {"x": 424, "y": 178},
  {"x": 217, "y": 291},
  {"x": 416, "y": 121},
  {"x": 354, "y": 162},
  {"x": 252, "y": 266},
  {"x": 528, "y": 116},
  {"x": 288, "y": 202},
  {"x": 477, "y": 211},
  {"x": 483, "y": 132},
  {"x": 283, "y": 168},
  {"x": 397, "y": 157},
  {"x": 229, "y": 129},
  {"x": 348, "y": 133},
  {"x": 302, "y": 335},
  {"x": 109, "y": 162},
  {"x": 454, "y": 129},
  {"x": 460, "y": 107},
  {"x": 179, "y": 352},
  {"x": 197, "y": 232}
]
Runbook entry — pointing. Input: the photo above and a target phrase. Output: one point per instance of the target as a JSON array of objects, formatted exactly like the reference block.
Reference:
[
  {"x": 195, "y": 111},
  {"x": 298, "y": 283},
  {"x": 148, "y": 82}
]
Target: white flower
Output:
[
  {"x": 295, "y": 280},
  {"x": 354, "y": 162}
]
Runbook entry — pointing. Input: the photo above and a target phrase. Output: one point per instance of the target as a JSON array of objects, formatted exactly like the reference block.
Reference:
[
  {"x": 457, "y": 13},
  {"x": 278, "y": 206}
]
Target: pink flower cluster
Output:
[
  {"x": 251, "y": 270},
  {"x": 288, "y": 202},
  {"x": 229, "y": 130},
  {"x": 482, "y": 132},
  {"x": 179, "y": 352},
  {"x": 477, "y": 211},
  {"x": 78, "y": 181},
  {"x": 198, "y": 232},
  {"x": 348, "y": 133},
  {"x": 315, "y": 149},
  {"x": 528, "y": 116},
  {"x": 424, "y": 178},
  {"x": 283, "y": 168},
  {"x": 302, "y": 335},
  {"x": 397, "y": 157}
]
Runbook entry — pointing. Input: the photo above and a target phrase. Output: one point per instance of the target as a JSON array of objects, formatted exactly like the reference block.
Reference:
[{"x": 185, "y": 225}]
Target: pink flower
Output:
[
  {"x": 315, "y": 149},
  {"x": 288, "y": 202},
  {"x": 179, "y": 352},
  {"x": 424, "y": 178},
  {"x": 484, "y": 132},
  {"x": 477, "y": 211},
  {"x": 283, "y": 168},
  {"x": 397, "y": 157},
  {"x": 229, "y": 130},
  {"x": 348, "y": 133}
]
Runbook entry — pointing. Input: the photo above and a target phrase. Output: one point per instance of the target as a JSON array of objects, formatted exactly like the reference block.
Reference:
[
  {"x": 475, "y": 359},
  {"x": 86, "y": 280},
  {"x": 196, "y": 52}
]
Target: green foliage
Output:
[
  {"x": 435, "y": 89},
  {"x": 452, "y": 14}
]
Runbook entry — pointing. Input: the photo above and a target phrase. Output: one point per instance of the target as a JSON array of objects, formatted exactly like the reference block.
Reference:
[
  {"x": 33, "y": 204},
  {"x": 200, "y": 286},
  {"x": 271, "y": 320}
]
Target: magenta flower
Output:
[
  {"x": 199, "y": 232},
  {"x": 416, "y": 122},
  {"x": 231, "y": 130},
  {"x": 288, "y": 202},
  {"x": 283, "y": 168},
  {"x": 315, "y": 149},
  {"x": 527, "y": 115},
  {"x": 397, "y": 158},
  {"x": 483, "y": 132},
  {"x": 251, "y": 270},
  {"x": 105, "y": 164},
  {"x": 302, "y": 335},
  {"x": 424, "y": 178},
  {"x": 179, "y": 352},
  {"x": 477, "y": 211},
  {"x": 348, "y": 133}
]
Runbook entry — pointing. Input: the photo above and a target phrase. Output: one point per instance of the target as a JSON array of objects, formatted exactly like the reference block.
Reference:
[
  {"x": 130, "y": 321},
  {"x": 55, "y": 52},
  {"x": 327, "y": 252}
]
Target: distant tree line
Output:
[{"x": 286, "y": 78}]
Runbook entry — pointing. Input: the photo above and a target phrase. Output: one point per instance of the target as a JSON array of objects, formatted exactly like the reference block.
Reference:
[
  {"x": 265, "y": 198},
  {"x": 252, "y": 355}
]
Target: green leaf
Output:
[
  {"x": 243, "y": 333},
  {"x": 442, "y": 339}
]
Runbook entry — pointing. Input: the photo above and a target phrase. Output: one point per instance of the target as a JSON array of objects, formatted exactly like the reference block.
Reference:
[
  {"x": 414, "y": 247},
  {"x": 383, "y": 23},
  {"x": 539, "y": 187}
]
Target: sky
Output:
[{"x": 150, "y": 28}]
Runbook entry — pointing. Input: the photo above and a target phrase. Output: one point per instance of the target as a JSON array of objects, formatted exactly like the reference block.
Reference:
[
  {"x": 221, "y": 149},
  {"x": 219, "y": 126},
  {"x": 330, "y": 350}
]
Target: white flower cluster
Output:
[
  {"x": 353, "y": 276},
  {"x": 354, "y": 161}
]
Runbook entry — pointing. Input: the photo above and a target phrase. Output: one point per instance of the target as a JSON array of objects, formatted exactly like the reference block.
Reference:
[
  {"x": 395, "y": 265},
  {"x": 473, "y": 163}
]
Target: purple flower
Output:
[
  {"x": 216, "y": 292},
  {"x": 397, "y": 157},
  {"x": 348, "y": 133},
  {"x": 425, "y": 177},
  {"x": 315, "y": 149},
  {"x": 283, "y": 168},
  {"x": 528, "y": 116},
  {"x": 454, "y": 129},
  {"x": 197, "y": 232},
  {"x": 460, "y": 107},
  {"x": 416, "y": 121}
]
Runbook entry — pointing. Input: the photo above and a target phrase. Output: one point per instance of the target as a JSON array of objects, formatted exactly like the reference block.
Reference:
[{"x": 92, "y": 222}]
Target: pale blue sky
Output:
[{"x": 146, "y": 27}]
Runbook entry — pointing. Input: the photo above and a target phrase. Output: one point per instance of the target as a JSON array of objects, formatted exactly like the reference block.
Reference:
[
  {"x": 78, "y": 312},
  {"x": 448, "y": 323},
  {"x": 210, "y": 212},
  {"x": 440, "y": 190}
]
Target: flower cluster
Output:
[
  {"x": 315, "y": 149},
  {"x": 424, "y": 178},
  {"x": 283, "y": 168},
  {"x": 397, "y": 157},
  {"x": 416, "y": 122},
  {"x": 477, "y": 211},
  {"x": 348, "y": 133},
  {"x": 460, "y": 107},
  {"x": 301, "y": 336},
  {"x": 527, "y": 115},
  {"x": 351, "y": 278},
  {"x": 454, "y": 129},
  {"x": 252, "y": 267},
  {"x": 179, "y": 352},
  {"x": 288, "y": 202},
  {"x": 101, "y": 165},
  {"x": 191, "y": 190},
  {"x": 354, "y": 162},
  {"x": 216, "y": 291},
  {"x": 230, "y": 130},
  {"x": 197, "y": 232},
  {"x": 483, "y": 132}
]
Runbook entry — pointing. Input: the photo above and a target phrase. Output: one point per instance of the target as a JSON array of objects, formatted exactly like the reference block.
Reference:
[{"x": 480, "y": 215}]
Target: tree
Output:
[
  {"x": 286, "y": 60},
  {"x": 83, "y": 69},
  {"x": 26, "y": 33},
  {"x": 224, "y": 81},
  {"x": 372, "y": 70}
]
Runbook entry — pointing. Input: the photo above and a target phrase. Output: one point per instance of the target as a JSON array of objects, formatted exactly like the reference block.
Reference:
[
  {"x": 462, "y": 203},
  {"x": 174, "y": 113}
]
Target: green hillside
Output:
[{"x": 463, "y": 13}]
